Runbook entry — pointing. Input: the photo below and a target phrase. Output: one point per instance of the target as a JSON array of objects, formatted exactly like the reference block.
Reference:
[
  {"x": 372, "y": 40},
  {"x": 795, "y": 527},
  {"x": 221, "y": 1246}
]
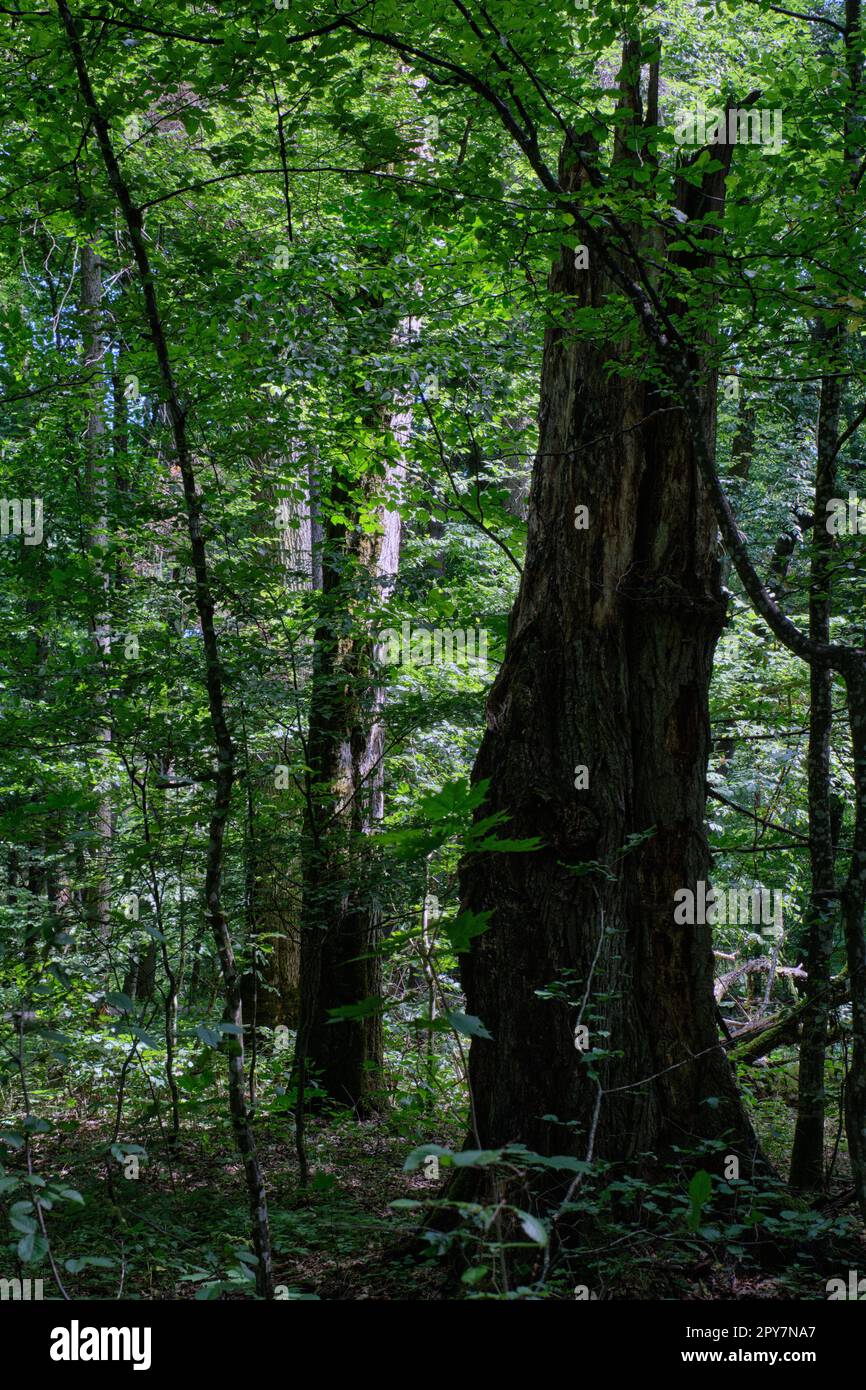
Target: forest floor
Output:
[
  {"x": 182, "y": 1223},
  {"x": 176, "y": 1226}
]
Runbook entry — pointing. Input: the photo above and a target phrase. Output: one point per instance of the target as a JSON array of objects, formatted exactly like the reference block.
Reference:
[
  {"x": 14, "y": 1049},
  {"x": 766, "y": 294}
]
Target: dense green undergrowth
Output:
[{"x": 130, "y": 1211}]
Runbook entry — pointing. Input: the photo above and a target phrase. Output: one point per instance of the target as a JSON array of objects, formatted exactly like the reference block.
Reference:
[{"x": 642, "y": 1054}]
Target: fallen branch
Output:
[
  {"x": 754, "y": 1042},
  {"x": 750, "y": 967}
]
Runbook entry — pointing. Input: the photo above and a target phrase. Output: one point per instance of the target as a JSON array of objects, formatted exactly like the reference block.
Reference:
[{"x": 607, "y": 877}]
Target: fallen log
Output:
[{"x": 755, "y": 1041}]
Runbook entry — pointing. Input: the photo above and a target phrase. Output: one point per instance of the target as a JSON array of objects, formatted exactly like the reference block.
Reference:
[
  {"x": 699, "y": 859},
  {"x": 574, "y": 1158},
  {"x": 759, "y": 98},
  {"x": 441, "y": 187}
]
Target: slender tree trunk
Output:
[
  {"x": 96, "y": 530},
  {"x": 853, "y": 909},
  {"x": 854, "y": 897},
  {"x": 316, "y": 530},
  {"x": 807, "y": 1156},
  {"x": 205, "y": 606},
  {"x": 743, "y": 442}
]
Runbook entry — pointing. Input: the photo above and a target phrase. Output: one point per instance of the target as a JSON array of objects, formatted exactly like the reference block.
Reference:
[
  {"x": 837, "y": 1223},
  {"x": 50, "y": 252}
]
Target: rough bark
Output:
[
  {"x": 635, "y": 281},
  {"x": 270, "y": 984},
  {"x": 340, "y": 915},
  {"x": 607, "y": 665}
]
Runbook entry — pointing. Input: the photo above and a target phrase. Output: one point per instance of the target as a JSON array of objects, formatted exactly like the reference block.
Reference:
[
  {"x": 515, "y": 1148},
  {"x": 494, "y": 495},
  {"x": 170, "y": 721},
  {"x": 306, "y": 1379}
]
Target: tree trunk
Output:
[
  {"x": 223, "y": 746},
  {"x": 607, "y": 667},
  {"x": 807, "y": 1159},
  {"x": 96, "y": 530},
  {"x": 340, "y": 915},
  {"x": 807, "y": 1156},
  {"x": 854, "y": 895},
  {"x": 853, "y": 908}
]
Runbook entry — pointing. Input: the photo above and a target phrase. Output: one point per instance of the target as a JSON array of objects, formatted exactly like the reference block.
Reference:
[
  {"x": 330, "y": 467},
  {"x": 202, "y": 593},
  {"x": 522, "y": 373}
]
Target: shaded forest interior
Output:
[{"x": 433, "y": 791}]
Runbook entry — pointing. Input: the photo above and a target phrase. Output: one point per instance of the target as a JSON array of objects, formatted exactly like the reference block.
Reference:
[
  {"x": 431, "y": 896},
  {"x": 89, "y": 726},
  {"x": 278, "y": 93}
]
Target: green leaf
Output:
[
  {"x": 34, "y": 1125},
  {"x": 489, "y": 844},
  {"x": 365, "y": 1008},
  {"x": 208, "y": 1292},
  {"x": 152, "y": 931},
  {"x": 700, "y": 1191},
  {"x": 477, "y": 1158},
  {"x": 562, "y": 1162},
  {"x": 463, "y": 928},
  {"x": 26, "y": 1245},
  {"x": 416, "y": 1158},
  {"x": 535, "y": 1229},
  {"x": 468, "y": 1024},
  {"x": 454, "y": 799},
  {"x": 20, "y": 1218},
  {"x": 75, "y": 1266},
  {"x": 120, "y": 1001}
]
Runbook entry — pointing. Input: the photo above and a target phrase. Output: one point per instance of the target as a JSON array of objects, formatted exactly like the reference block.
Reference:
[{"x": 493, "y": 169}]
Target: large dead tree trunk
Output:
[{"x": 607, "y": 667}]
